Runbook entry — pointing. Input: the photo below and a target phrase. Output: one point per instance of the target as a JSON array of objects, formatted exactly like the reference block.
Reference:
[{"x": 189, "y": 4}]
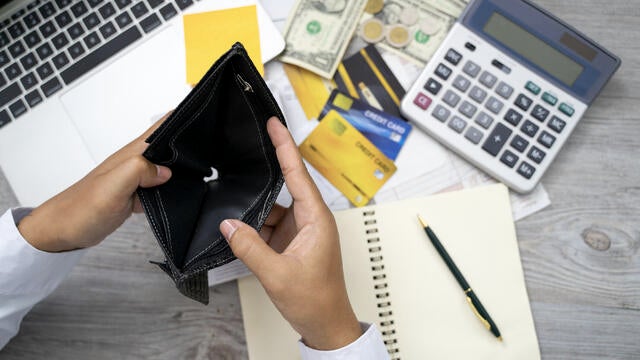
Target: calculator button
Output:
[
  {"x": 513, "y": 117},
  {"x": 450, "y": 98},
  {"x": 494, "y": 105},
  {"x": 453, "y": 57},
  {"x": 566, "y": 109},
  {"x": 433, "y": 86},
  {"x": 461, "y": 83},
  {"x": 529, "y": 128},
  {"x": 546, "y": 139},
  {"x": 422, "y": 100},
  {"x": 497, "y": 139},
  {"x": 441, "y": 113},
  {"x": 508, "y": 158},
  {"x": 457, "y": 124},
  {"x": 556, "y": 124},
  {"x": 474, "y": 135},
  {"x": 472, "y": 69},
  {"x": 536, "y": 155},
  {"x": 467, "y": 109},
  {"x": 519, "y": 143},
  {"x": 504, "y": 90},
  {"x": 523, "y": 102},
  {"x": 470, "y": 46},
  {"x": 505, "y": 69},
  {"x": 443, "y": 71},
  {"x": 477, "y": 94},
  {"x": 540, "y": 113},
  {"x": 549, "y": 99},
  {"x": 484, "y": 120},
  {"x": 526, "y": 170},
  {"x": 487, "y": 79},
  {"x": 532, "y": 87}
]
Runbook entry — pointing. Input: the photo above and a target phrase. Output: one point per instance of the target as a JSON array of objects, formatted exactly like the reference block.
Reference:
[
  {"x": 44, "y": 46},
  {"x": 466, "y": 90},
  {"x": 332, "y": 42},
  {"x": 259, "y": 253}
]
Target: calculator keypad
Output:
[{"x": 517, "y": 124}]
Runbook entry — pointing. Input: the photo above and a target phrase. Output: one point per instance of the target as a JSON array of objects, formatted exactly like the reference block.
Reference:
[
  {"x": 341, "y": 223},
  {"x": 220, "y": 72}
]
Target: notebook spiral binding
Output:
[{"x": 381, "y": 286}]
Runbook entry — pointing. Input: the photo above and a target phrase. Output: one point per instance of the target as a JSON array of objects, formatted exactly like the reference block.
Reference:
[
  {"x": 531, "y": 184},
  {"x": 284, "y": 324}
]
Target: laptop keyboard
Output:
[{"x": 48, "y": 45}]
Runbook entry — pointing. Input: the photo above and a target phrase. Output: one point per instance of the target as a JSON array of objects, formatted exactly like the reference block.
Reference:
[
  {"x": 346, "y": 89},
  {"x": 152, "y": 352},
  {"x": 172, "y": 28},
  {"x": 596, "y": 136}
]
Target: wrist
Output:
[
  {"x": 337, "y": 332},
  {"x": 38, "y": 233}
]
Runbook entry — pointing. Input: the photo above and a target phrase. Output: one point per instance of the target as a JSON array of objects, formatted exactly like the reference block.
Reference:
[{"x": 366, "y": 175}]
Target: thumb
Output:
[
  {"x": 248, "y": 246},
  {"x": 138, "y": 171}
]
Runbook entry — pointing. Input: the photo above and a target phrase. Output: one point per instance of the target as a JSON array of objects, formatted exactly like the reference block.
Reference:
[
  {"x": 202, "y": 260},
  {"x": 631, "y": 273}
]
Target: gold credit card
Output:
[{"x": 347, "y": 159}]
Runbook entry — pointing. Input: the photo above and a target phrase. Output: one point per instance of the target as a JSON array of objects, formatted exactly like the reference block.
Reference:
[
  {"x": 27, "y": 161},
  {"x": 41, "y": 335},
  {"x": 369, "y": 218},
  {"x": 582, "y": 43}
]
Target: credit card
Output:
[
  {"x": 347, "y": 159},
  {"x": 387, "y": 132}
]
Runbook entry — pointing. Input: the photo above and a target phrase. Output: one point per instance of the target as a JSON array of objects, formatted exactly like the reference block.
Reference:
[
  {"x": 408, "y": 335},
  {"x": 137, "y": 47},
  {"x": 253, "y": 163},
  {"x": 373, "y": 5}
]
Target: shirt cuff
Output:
[
  {"x": 369, "y": 346},
  {"x": 26, "y": 269}
]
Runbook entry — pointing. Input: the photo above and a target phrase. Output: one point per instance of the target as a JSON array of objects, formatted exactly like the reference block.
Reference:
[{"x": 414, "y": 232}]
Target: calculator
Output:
[{"x": 507, "y": 87}]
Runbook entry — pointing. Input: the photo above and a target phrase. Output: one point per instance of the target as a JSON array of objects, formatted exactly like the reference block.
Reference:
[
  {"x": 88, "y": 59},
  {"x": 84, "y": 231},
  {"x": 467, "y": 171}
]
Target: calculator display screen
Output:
[{"x": 537, "y": 51}]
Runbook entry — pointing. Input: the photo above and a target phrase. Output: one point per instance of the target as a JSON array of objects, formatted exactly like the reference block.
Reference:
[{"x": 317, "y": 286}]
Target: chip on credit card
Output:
[
  {"x": 347, "y": 159},
  {"x": 387, "y": 132}
]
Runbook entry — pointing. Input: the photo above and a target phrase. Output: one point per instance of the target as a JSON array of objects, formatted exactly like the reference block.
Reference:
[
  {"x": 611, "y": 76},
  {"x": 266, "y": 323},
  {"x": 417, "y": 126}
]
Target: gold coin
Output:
[
  {"x": 372, "y": 31},
  {"x": 374, "y": 6},
  {"x": 398, "y": 36}
]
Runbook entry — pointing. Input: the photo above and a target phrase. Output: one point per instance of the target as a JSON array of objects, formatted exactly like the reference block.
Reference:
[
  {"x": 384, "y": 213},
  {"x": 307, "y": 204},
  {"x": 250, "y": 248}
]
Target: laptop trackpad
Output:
[{"x": 117, "y": 103}]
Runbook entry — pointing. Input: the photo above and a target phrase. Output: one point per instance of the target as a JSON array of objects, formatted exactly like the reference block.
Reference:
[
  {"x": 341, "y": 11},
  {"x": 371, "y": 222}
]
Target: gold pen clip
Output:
[{"x": 475, "y": 311}]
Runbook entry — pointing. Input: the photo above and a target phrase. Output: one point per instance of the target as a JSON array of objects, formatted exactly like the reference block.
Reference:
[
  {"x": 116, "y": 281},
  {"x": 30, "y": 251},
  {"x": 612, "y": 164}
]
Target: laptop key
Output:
[
  {"x": 123, "y": 20},
  {"x": 76, "y": 50},
  {"x": 75, "y": 31},
  {"x": 32, "y": 39},
  {"x": 51, "y": 87},
  {"x": 4, "y": 118},
  {"x": 4, "y": 58},
  {"x": 47, "y": 10},
  {"x": 44, "y": 71},
  {"x": 139, "y": 10},
  {"x": 107, "y": 30},
  {"x": 9, "y": 94},
  {"x": 107, "y": 10},
  {"x": 16, "y": 49},
  {"x": 183, "y": 4},
  {"x": 168, "y": 11},
  {"x": 63, "y": 3},
  {"x": 18, "y": 108},
  {"x": 4, "y": 39},
  {"x": 33, "y": 98},
  {"x": 101, "y": 54},
  {"x": 60, "y": 41},
  {"x": 94, "y": 3},
  {"x": 44, "y": 51},
  {"x": 3, "y": 81},
  {"x": 16, "y": 30},
  {"x": 60, "y": 60},
  {"x": 31, "y": 20},
  {"x": 155, "y": 3},
  {"x": 63, "y": 19},
  {"x": 47, "y": 29},
  {"x": 28, "y": 81},
  {"x": 90, "y": 21},
  {"x": 123, "y": 3},
  {"x": 150, "y": 22},
  {"x": 79, "y": 9},
  {"x": 92, "y": 40},
  {"x": 13, "y": 71}
]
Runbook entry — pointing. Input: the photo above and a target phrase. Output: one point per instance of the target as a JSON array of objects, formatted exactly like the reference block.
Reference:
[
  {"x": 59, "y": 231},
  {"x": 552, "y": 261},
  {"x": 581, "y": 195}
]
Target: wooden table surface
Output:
[{"x": 581, "y": 255}]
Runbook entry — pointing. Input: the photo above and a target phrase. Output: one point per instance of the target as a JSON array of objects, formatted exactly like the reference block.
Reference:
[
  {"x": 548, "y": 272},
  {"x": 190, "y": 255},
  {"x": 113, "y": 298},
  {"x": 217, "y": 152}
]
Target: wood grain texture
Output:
[{"x": 580, "y": 255}]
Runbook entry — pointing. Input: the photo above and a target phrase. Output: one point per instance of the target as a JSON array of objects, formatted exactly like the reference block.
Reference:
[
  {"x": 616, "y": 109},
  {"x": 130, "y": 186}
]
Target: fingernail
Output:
[
  {"x": 228, "y": 228},
  {"x": 163, "y": 172}
]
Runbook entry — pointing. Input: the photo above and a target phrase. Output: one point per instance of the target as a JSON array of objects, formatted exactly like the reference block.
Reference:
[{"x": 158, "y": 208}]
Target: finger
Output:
[
  {"x": 137, "y": 205},
  {"x": 249, "y": 247},
  {"x": 135, "y": 171},
  {"x": 276, "y": 214},
  {"x": 296, "y": 176}
]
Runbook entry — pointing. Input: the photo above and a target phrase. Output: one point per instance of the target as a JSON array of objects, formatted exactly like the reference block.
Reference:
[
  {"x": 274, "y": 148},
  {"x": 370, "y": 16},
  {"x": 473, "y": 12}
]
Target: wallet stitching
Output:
[
  {"x": 167, "y": 225},
  {"x": 154, "y": 225},
  {"x": 266, "y": 155}
]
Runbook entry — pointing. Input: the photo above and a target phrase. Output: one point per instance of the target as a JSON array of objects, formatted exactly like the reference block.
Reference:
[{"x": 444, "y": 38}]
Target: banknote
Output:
[
  {"x": 422, "y": 24},
  {"x": 318, "y": 32}
]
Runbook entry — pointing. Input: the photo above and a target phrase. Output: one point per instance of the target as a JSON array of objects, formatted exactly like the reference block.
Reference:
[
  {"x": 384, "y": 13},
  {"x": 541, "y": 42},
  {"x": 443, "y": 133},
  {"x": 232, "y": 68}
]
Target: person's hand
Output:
[
  {"x": 85, "y": 213},
  {"x": 296, "y": 256}
]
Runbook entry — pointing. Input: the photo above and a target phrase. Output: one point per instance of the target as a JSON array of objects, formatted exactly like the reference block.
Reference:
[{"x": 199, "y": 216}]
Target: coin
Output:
[
  {"x": 409, "y": 16},
  {"x": 372, "y": 30},
  {"x": 398, "y": 36},
  {"x": 374, "y": 6},
  {"x": 429, "y": 25}
]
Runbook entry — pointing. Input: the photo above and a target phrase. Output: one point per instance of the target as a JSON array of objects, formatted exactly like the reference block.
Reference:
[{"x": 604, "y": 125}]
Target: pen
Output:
[{"x": 472, "y": 299}]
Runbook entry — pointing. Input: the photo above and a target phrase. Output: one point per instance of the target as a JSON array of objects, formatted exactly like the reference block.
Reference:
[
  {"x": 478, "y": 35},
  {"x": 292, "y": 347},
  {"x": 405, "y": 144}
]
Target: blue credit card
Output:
[{"x": 387, "y": 132}]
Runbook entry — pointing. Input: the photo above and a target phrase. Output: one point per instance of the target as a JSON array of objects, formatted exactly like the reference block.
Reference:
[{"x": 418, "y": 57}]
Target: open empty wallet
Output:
[{"x": 220, "y": 127}]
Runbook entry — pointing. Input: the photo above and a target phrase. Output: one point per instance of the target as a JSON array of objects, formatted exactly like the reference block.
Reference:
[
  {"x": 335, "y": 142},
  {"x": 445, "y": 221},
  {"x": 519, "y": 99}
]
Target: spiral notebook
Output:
[{"x": 396, "y": 279}]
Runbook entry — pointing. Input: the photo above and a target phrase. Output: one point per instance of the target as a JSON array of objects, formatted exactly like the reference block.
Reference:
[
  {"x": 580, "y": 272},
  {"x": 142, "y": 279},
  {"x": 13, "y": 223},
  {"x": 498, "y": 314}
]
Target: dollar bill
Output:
[
  {"x": 450, "y": 7},
  {"x": 424, "y": 42},
  {"x": 318, "y": 32}
]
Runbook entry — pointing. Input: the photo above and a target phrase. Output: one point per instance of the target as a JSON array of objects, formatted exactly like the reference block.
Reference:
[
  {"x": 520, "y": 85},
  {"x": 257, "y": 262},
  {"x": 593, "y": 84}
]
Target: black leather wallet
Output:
[{"x": 220, "y": 127}]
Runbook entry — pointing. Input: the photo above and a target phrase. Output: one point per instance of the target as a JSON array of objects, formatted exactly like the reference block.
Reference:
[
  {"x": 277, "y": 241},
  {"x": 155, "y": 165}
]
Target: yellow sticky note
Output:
[{"x": 210, "y": 34}]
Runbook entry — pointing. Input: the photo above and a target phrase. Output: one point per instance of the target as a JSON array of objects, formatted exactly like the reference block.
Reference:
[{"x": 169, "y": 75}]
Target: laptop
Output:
[{"x": 79, "y": 79}]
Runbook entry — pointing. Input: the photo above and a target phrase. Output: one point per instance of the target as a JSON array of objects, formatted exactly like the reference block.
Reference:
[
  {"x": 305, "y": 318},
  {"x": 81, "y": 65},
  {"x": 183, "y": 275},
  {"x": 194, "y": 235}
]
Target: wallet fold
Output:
[{"x": 223, "y": 165}]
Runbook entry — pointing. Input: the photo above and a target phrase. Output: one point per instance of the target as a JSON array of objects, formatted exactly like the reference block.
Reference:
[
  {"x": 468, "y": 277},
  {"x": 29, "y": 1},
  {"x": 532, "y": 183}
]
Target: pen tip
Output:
[
  {"x": 500, "y": 338},
  {"x": 424, "y": 223}
]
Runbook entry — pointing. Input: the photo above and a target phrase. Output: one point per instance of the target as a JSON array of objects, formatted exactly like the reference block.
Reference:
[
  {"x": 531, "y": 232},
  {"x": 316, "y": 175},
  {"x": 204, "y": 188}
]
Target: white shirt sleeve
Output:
[
  {"x": 369, "y": 346},
  {"x": 27, "y": 275}
]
